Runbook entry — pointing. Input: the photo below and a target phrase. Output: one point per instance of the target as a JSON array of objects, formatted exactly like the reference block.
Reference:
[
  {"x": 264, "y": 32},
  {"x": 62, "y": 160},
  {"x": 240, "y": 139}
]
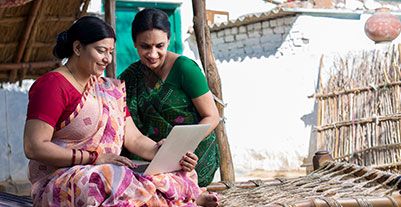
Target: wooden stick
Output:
[
  {"x": 29, "y": 46},
  {"x": 110, "y": 17},
  {"x": 204, "y": 43},
  {"x": 220, "y": 186},
  {"x": 319, "y": 144},
  {"x": 352, "y": 202},
  {"x": 25, "y": 37},
  {"x": 58, "y": 19},
  {"x": 85, "y": 8},
  {"x": 355, "y": 90},
  {"x": 33, "y": 65},
  {"x": 392, "y": 117},
  {"x": 12, "y": 20}
]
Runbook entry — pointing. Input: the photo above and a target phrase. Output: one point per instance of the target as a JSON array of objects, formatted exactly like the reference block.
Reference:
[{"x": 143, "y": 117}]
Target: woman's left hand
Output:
[{"x": 188, "y": 161}]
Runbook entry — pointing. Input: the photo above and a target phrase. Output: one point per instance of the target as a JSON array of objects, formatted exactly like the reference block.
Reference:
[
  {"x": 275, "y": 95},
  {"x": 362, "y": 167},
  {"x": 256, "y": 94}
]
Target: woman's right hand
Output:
[{"x": 110, "y": 158}]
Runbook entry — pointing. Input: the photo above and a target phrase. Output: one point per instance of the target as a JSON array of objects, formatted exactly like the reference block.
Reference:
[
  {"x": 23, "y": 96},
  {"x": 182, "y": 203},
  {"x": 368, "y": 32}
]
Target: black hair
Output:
[
  {"x": 149, "y": 19},
  {"x": 86, "y": 30}
]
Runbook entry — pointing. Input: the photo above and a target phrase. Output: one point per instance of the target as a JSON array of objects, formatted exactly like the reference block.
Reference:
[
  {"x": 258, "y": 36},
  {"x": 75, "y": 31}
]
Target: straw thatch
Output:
[
  {"x": 334, "y": 184},
  {"x": 28, "y": 33},
  {"x": 359, "y": 109}
]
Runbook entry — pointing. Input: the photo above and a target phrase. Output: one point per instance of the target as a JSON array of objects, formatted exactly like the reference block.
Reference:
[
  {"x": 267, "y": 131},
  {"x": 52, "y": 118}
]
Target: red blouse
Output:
[{"x": 52, "y": 98}]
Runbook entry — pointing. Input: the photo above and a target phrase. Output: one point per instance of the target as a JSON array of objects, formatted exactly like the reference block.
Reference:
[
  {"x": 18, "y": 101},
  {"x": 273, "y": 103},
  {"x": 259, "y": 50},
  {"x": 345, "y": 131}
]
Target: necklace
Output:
[
  {"x": 82, "y": 86},
  {"x": 72, "y": 74}
]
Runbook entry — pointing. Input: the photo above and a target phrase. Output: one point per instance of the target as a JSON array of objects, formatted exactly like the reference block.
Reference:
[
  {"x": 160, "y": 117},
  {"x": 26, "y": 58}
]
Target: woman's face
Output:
[
  {"x": 96, "y": 56},
  {"x": 152, "y": 48}
]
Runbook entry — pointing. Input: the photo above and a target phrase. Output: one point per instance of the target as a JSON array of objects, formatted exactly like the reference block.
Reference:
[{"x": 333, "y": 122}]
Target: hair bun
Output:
[
  {"x": 62, "y": 37},
  {"x": 63, "y": 48}
]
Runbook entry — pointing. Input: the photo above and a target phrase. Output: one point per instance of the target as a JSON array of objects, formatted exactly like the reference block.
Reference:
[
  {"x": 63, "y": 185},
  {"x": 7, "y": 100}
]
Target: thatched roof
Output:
[
  {"x": 334, "y": 184},
  {"x": 28, "y": 31}
]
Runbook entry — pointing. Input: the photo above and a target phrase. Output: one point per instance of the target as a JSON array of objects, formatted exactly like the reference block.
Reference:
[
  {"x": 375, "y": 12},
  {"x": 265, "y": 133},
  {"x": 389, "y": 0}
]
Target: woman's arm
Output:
[
  {"x": 38, "y": 145},
  {"x": 207, "y": 109},
  {"x": 138, "y": 143}
]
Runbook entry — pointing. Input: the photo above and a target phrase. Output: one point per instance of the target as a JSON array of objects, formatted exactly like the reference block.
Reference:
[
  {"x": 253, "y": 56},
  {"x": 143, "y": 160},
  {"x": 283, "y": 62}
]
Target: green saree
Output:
[{"x": 156, "y": 106}]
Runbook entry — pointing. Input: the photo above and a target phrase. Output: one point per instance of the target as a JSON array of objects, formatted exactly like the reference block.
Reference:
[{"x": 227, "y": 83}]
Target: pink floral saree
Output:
[{"x": 98, "y": 123}]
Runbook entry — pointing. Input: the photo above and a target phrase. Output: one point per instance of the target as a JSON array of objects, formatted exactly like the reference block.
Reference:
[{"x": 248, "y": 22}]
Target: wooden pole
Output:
[
  {"x": 30, "y": 45},
  {"x": 32, "y": 65},
  {"x": 110, "y": 17},
  {"x": 389, "y": 201},
  {"x": 204, "y": 43},
  {"x": 31, "y": 22}
]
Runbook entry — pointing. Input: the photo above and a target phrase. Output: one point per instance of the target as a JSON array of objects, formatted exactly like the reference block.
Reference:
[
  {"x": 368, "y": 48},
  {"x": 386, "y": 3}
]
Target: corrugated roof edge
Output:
[{"x": 283, "y": 12}]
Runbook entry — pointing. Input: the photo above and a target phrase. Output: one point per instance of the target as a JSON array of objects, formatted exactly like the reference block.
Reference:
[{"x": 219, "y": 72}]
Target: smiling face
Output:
[
  {"x": 96, "y": 56},
  {"x": 152, "y": 48}
]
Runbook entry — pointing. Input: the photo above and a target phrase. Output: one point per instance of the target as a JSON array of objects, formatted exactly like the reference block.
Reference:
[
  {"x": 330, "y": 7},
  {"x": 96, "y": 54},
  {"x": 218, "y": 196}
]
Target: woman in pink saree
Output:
[{"x": 76, "y": 126}]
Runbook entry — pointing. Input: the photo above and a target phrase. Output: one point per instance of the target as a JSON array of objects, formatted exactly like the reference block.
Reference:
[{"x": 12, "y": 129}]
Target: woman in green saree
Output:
[{"x": 165, "y": 89}]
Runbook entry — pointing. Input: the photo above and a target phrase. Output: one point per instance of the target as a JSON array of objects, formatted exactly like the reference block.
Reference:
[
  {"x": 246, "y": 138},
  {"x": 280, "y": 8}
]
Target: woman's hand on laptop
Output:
[
  {"x": 160, "y": 143},
  {"x": 188, "y": 161}
]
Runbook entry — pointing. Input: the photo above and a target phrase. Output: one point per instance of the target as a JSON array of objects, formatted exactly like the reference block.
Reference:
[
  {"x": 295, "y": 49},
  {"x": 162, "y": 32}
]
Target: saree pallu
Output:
[
  {"x": 98, "y": 124},
  {"x": 157, "y": 106}
]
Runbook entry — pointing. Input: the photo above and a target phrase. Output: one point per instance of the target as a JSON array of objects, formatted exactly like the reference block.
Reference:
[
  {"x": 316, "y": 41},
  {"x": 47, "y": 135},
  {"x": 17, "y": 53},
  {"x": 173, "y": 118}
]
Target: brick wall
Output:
[{"x": 261, "y": 39}]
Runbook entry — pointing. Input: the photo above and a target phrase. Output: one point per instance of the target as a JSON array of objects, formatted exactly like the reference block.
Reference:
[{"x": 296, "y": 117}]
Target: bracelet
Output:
[
  {"x": 93, "y": 155},
  {"x": 82, "y": 156},
  {"x": 74, "y": 152}
]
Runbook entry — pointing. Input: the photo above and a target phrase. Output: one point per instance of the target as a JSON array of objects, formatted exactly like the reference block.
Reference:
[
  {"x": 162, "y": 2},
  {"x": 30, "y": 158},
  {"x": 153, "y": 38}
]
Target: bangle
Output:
[
  {"x": 74, "y": 152},
  {"x": 93, "y": 155},
  {"x": 82, "y": 157}
]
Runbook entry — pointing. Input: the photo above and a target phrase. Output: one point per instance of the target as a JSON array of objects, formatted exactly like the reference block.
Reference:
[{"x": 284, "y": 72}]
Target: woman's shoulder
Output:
[
  {"x": 51, "y": 79},
  {"x": 185, "y": 64}
]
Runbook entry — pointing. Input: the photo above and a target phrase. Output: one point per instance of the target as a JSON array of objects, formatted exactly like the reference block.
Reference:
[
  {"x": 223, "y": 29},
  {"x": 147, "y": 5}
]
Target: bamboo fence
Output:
[{"x": 359, "y": 109}]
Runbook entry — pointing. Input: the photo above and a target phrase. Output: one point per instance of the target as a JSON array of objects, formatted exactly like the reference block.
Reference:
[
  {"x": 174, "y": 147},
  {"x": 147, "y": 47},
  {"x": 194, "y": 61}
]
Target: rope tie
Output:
[
  {"x": 363, "y": 202},
  {"x": 393, "y": 202},
  {"x": 331, "y": 202},
  {"x": 373, "y": 86},
  {"x": 218, "y": 100},
  {"x": 228, "y": 184},
  {"x": 256, "y": 182}
]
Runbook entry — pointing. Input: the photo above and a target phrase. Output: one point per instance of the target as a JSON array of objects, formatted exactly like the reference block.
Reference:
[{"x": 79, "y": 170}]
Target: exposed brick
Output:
[
  {"x": 242, "y": 29},
  {"x": 279, "y": 30},
  {"x": 213, "y": 35},
  {"x": 267, "y": 31},
  {"x": 280, "y": 22},
  {"x": 250, "y": 27},
  {"x": 255, "y": 33},
  {"x": 273, "y": 23},
  {"x": 257, "y": 26},
  {"x": 289, "y": 20},
  {"x": 265, "y": 24},
  {"x": 234, "y": 30},
  {"x": 220, "y": 33},
  {"x": 229, "y": 38},
  {"x": 241, "y": 36},
  {"x": 227, "y": 31}
]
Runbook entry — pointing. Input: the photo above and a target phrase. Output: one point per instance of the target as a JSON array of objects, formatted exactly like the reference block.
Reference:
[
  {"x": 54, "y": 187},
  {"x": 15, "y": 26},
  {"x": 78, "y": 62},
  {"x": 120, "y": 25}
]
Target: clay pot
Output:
[
  {"x": 382, "y": 26},
  {"x": 319, "y": 158}
]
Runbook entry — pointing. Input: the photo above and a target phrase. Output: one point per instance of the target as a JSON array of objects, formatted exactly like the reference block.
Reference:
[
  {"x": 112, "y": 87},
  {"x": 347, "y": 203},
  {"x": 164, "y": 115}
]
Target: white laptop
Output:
[{"x": 182, "y": 138}]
